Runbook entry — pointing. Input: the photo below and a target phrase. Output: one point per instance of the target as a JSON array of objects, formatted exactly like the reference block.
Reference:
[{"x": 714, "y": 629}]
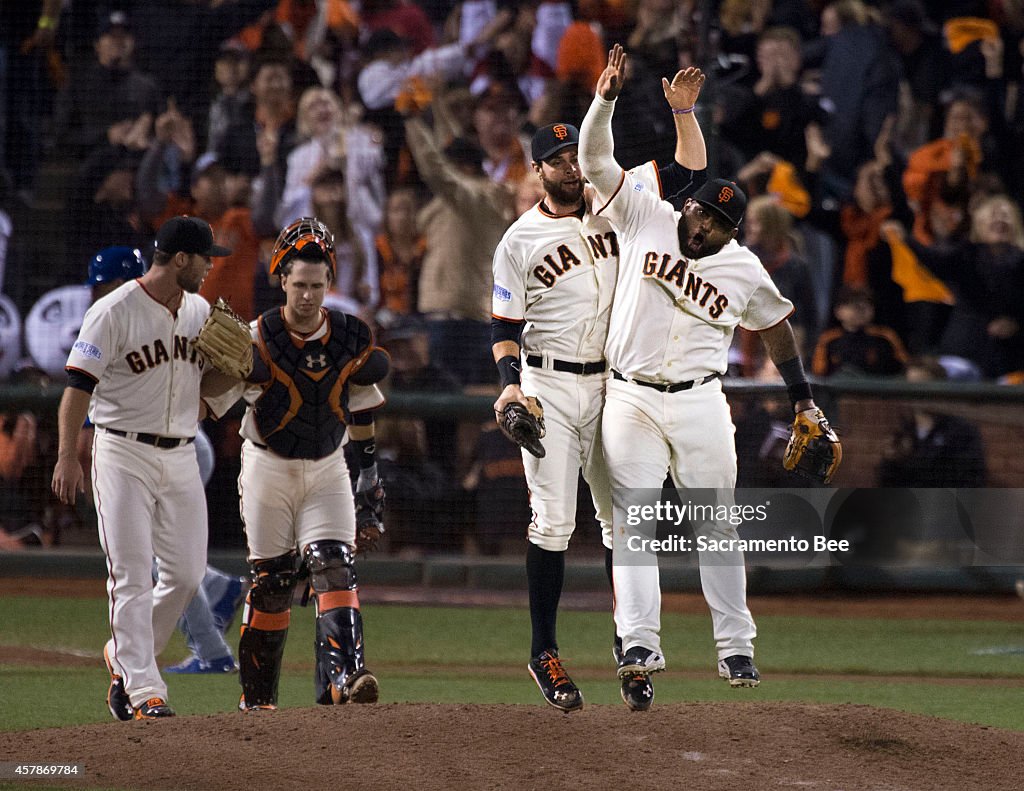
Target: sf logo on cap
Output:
[
  {"x": 725, "y": 195},
  {"x": 560, "y": 131}
]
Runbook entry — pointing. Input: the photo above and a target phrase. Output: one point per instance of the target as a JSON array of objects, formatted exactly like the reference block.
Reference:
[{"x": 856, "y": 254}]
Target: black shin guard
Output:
[
  {"x": 545, "y": 571},
  {"x": 259, "y": 665},
  {"x": 265, "y": 629},
  {"x": 339, "y": 653}
]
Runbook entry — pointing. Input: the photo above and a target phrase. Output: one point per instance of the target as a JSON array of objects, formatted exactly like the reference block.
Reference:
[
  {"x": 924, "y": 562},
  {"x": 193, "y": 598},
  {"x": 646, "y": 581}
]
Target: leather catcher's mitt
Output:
[
  {"x": 369, "y": 516},
  {"x": 524, "y": 425},
  {"x": 814, "y": 450},
  {"x": 225, "y": 341}
]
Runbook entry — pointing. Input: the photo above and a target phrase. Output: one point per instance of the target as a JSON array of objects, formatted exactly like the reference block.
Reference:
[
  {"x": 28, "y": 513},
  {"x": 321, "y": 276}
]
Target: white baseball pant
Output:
[
  {"x": 690, "y": 434},
  {"x": 572, "y": 415},
  {"x": 149, "y": 503}
]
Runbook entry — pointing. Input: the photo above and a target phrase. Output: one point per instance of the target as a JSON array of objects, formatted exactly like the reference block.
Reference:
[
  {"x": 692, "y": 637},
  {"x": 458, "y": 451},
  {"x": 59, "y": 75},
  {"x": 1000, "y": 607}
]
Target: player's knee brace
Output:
[
  {"x": 339, "y": 624},
  {"x": 265, "y": 628},
  {"x": 330, "y": 566}
]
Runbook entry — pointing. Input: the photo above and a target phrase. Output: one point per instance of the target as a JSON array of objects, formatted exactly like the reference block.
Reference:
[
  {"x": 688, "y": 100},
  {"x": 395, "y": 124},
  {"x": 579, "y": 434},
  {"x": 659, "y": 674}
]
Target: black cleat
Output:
[
  {"x": 117, "y": 698},
  {"x": 362, "y": 687},
  {"x": 640, "y": 660},
  {"x": 637, "y": 691},
  {"x": 739, "y": 670},
  {"x": 243, "y": 706},
  {"x": 617, "y": 650},
  {"x": 555, "y": 684},
  {"x": 154, "y": 709}
]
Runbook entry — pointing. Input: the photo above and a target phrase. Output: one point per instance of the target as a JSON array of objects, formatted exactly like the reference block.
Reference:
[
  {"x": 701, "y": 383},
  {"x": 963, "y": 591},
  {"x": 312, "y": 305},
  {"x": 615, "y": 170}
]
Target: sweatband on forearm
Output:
[
  {"x": 509, "y": 371},
  {"x": 793, "y": 375},
  {"x": 365, "y": 449}
]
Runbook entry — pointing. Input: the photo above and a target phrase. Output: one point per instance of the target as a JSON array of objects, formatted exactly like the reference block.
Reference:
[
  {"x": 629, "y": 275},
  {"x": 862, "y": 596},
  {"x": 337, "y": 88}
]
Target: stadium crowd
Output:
[{"x": 879, "y": 144}]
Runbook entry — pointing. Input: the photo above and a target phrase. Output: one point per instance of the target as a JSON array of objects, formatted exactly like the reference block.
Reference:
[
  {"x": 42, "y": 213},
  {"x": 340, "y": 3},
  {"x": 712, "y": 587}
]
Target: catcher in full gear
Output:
[{"x": 310, "y": 379}]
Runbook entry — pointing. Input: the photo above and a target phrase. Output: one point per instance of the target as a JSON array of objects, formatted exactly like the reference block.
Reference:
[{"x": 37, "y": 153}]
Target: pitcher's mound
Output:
[{"x": 696, "y": 746}]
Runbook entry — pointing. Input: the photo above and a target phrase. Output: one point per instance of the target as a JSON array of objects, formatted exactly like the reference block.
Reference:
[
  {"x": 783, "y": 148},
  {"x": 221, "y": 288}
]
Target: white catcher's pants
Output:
[
  {"x": 690, "y": 434},
  {"x": 289, "y": 503}
]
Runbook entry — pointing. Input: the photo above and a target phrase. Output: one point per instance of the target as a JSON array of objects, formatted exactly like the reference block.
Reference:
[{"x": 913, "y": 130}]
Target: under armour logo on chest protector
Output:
[{"x": 320, "y": 361}]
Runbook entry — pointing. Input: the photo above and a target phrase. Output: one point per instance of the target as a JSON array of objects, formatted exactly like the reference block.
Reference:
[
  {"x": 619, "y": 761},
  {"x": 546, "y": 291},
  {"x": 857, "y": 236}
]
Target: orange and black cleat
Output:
[
  {"x": 153, "y": 709},
  {"x": 117, "y": 698},
  {"x": 555, "y": 685}
]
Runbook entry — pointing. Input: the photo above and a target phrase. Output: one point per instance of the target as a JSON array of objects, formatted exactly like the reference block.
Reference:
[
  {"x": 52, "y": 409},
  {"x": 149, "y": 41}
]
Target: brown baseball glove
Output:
[
  {"x": 225, "y": 341},
  {"x": 524, "y": 425},
  {"x": 814, "y": 450}
]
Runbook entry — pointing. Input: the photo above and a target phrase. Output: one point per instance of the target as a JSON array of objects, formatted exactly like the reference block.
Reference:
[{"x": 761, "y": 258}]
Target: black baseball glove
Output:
[
  {"x": 524, "y": 425},
  {"x": 369, "y": 516}
]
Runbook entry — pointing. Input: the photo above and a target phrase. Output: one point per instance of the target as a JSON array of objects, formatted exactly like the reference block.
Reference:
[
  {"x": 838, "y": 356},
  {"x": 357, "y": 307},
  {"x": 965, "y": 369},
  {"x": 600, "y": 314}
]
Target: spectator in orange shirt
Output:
[
  {"x": 400, "y": 250},
  {"x": 938, "y": 176},
  {"x": 857, "y": 346},
  {"x": 233, "y": 277}
]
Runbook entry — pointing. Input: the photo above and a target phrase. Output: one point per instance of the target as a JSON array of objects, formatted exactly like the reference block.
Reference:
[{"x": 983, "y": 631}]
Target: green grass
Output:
[{"x": 469, "y": 655}]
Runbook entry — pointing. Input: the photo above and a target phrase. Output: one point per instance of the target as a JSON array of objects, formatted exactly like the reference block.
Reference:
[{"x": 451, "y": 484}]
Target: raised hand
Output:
[
  {"x": 609, "y": 84},
  {"x": 682, "y": 92}
]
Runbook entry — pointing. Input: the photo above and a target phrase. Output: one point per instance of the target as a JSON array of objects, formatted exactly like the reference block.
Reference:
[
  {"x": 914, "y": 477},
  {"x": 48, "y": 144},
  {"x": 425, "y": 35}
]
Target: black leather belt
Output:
[
  {"x": 152, "y": 439},
  {"x": 536, "y": 361},
  {"x": 667, "y": 388}
]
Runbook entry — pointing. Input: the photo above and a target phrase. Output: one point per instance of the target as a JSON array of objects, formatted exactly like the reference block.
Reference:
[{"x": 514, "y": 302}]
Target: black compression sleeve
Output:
[
  {"x": 506, "y": 330},
  {"x": 796, "y": 380},
  {"x": 679, "y": 183},
  {"x": 81, "y": 381}
]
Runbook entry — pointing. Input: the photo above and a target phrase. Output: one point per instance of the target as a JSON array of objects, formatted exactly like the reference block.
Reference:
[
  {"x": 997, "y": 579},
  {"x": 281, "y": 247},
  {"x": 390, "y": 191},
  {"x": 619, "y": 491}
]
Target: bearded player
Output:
[
  {"x": 554, "y": 275},
  {"x": 684, "y": 285},
  {"x": 133, "y": 372}
]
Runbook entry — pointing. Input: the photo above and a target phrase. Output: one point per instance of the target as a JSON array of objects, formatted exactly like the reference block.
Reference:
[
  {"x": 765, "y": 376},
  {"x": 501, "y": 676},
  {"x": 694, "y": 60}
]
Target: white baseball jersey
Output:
[
  {"x": 557, "y": 272},
  {"x": 674, "y": 317},
  {"x": 141, "y": 357}
]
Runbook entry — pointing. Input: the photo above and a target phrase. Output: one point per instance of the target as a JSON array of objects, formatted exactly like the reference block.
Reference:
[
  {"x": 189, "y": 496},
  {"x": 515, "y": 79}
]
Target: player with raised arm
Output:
[
  {"x": 684, "y": 284},
  {"x": 554, "y": 275}
]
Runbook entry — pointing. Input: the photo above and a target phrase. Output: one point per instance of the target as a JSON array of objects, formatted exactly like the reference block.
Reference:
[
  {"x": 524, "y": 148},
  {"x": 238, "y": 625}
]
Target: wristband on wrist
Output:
[
  {"x": 366, "y": 450},
  {"x": 508, "y": 370},
  {"x": 683, "y": 110},
  {"x": 47, "y": 23},
  {"x": 796, "y": 380}
]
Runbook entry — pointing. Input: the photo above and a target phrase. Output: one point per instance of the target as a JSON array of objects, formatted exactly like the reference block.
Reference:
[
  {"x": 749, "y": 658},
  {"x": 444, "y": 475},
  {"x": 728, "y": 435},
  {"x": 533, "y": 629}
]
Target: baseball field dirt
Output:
[{"x": 698, "y": 747}]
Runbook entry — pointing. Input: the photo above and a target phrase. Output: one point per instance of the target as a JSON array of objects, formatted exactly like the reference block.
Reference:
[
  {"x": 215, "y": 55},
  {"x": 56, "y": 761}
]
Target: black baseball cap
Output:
[
  {"x": 724, "y": 198},
  {"x": 188, "y": 235},
  {"x": 117, "y": 19},
  {"x": 550, "y": 139}
]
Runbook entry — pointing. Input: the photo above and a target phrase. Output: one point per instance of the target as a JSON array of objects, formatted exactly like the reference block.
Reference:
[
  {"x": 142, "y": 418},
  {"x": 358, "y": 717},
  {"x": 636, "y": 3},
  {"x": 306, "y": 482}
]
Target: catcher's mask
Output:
[{"x": 297, "y": 237}]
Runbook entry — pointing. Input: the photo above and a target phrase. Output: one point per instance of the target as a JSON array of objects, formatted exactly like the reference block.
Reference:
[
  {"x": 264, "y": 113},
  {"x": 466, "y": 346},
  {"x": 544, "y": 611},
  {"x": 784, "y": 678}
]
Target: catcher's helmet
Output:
[
  {"x": 116, "y": 263},
  {"x": 297, "y": 237}
]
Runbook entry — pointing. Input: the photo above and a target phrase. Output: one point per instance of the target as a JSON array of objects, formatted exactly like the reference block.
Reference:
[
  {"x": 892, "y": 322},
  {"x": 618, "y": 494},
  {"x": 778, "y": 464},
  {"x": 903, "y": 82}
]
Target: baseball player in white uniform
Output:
[
  {"x": 554, "y": 275},
  {"x": 311, "y": 391},
  {"x": 684, "y": 285},
  {"x": 133, "y": 371}
]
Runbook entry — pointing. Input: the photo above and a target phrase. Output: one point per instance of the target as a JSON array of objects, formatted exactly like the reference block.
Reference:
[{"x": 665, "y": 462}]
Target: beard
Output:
[
  {"x": 190, "y": 282},
  {"x": 694, "y": 244},
  {"x": 562, "y": 194}
]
